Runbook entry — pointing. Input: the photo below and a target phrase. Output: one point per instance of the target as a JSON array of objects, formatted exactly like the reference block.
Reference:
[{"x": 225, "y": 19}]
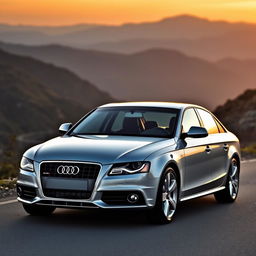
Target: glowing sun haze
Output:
[{"x": 62, "y": 12}]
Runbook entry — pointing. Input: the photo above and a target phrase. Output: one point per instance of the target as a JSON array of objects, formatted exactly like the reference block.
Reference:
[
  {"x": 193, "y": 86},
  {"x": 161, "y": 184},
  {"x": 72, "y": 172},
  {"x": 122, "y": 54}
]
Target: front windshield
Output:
[{"x": 129, "y": 121}]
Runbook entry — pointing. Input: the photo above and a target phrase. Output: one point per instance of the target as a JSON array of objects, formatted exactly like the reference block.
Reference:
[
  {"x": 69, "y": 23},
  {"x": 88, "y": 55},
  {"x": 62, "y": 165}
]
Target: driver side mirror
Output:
[
  {"x": 64, "y": 128},
  {"x": 195, "y": 132}
]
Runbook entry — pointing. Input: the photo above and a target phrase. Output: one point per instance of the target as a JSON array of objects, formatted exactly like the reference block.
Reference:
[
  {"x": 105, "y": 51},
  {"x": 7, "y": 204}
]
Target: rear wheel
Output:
[
  {"x": 38, "y": 210},
  {"x": 229, "y": 194},
  {"x": 167, "y": 198}
]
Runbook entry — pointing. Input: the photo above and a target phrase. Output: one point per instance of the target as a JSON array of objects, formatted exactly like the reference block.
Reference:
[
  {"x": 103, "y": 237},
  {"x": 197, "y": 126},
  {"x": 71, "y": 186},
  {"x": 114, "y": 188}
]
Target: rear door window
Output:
[
  {"x": 220, "y": 127},
  {"x": 208, "y": 121}
]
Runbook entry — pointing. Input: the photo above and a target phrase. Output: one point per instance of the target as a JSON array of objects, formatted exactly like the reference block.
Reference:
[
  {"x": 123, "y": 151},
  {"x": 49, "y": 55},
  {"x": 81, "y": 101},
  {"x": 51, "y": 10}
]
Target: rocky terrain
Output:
[{"x": 239, "y": 116}]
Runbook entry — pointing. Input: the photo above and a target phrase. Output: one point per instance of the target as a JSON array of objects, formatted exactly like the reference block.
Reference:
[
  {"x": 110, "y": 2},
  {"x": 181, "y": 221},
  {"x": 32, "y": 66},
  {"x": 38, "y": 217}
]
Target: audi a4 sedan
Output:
[{"x": 137, "y": 155}]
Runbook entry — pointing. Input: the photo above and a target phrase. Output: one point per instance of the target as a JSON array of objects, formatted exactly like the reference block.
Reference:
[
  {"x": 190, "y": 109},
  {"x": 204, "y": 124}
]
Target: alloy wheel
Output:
[
  {"x": 169, "y": 195},
  {"x": 233, "y": 179}
]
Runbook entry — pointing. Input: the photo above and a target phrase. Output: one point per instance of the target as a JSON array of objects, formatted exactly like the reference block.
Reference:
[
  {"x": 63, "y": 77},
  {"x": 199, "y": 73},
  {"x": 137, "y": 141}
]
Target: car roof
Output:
[{"x": 175, "y": 105}]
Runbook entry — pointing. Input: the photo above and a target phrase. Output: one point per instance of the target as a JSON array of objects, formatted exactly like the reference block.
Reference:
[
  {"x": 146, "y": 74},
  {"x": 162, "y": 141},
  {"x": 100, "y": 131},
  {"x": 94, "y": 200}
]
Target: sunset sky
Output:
[{"x": 62, "y": 12}]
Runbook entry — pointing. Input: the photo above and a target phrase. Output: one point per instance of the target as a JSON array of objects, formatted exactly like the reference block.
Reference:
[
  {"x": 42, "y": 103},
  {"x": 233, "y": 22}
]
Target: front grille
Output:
[
  {"x": 69, "y": 194},
  {"x": 120, "y": 197},
  {"x": 87, "y": 171},
  {"x": 68, "y": 186}
]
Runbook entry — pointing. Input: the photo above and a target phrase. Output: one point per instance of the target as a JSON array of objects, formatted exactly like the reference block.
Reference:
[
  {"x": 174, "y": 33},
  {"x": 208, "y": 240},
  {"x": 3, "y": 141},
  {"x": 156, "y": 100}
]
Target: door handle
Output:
[
  {"x": 208, "y": 150},
  {"x": 225, "y": 147}
]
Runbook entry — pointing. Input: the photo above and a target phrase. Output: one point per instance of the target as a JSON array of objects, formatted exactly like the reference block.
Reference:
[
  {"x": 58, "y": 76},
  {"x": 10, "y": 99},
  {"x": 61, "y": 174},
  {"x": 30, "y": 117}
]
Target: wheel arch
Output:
[
  {"x": 174, "y": 166},
  {"x": 237, "y": 157}
]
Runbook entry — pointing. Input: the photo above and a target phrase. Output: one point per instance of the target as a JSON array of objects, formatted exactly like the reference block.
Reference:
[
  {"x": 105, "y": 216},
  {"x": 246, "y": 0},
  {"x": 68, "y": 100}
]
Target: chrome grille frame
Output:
[{"x": 69, "y": 162}]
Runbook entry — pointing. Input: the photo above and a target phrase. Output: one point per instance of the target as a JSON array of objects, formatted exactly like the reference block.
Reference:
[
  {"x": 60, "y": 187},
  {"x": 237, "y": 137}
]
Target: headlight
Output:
[
  {"x": 130, "y": 168},
  {"x": 26, "y": 164}
]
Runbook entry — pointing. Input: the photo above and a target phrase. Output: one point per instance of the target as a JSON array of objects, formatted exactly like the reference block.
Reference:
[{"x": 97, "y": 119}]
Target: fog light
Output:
[
  {"x": 132, "y": 198},
  {"x": 19, "y": 191}
]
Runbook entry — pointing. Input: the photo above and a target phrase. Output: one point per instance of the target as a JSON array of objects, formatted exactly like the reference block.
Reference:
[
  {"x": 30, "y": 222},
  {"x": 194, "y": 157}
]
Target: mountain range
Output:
[
  {"x": 48, "y": 74},
  {"x": 238, "y": 44},
  {"x": 155, "y": 74},
  {"x": 192, "y": 35},
  {"x": 36, "y": 96}
]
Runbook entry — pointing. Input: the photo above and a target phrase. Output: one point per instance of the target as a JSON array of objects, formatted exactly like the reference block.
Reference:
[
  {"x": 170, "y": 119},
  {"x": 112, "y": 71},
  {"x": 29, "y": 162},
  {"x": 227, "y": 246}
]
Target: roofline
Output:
[{"x": 159, "y": 104}]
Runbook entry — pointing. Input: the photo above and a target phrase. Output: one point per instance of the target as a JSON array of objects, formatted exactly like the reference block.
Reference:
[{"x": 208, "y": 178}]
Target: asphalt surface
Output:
[{"x": 201, "y": 227}]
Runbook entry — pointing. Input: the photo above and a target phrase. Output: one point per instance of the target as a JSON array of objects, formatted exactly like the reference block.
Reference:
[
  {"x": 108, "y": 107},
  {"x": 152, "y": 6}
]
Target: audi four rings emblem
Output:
[{"x": 69, "y": 170}]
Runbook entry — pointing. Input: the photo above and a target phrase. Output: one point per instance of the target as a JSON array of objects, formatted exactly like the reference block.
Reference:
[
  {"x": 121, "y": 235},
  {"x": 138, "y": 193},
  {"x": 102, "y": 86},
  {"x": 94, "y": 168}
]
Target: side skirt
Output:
[{"x": 208, "y": 192}]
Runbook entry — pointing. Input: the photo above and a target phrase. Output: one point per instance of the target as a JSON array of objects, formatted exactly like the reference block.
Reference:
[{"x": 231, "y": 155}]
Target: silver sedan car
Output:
[{"x": 137, "y": 155}]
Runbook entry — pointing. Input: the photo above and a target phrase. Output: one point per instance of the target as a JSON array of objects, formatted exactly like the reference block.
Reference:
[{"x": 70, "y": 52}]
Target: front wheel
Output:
[
  {"x": 167, "y": 198},
  {"x": 229, "y": 194},
  {"x": 38, "y": 210}
]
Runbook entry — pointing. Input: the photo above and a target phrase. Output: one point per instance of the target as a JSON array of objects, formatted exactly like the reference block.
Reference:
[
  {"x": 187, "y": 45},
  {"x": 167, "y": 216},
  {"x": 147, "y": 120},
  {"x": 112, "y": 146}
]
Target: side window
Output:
[
  {"x": 221, "y": 129},
  {"x": 189, "y": 119},
  {"x": 208, "y": 121}
]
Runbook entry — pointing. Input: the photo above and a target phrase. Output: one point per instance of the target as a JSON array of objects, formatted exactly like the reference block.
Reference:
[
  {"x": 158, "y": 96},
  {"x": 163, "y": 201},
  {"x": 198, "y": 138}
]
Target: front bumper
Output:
[{"x": 144, "y": 184}]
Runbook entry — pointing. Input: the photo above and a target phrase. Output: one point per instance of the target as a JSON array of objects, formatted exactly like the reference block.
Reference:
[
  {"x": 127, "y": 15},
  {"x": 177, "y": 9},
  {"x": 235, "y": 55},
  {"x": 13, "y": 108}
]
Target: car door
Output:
[
  {"x": 197, "y": 157},
  {"x": 224, "y": 142},
  {"x": 218, "y": 149}
]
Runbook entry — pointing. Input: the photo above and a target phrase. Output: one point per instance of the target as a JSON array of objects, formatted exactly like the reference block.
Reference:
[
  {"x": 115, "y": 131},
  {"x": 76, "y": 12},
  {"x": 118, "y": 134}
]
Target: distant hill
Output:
[
  {"x": 61, "y": 81},
  {"x": 36, "y": 96},
  {"x": 239, "y": 115},
  {"x": 47, "y": 30},
  {"x": 192, "y": 35},
  {"x": 210, "y": 48},
  {"x": 154, "y": 74},
  {"x": 182, "y": 26},
  {"x": 245, "y": 67}
]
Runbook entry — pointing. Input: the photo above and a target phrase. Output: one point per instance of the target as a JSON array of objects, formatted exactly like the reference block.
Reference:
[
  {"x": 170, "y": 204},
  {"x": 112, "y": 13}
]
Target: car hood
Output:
[{"x": 101, "y": 149}]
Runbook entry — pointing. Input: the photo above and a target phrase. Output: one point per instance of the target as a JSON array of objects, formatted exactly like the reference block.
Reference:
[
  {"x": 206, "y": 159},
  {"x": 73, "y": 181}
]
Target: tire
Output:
[
  {"x": 167, "y": 198},
  {"x": 229, "y": 194},
  {"x": 38, "y": 210}
]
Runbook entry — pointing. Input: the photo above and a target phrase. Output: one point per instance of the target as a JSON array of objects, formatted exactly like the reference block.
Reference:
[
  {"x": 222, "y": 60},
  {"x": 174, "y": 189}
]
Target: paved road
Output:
[{"x": 201, "y": 227}]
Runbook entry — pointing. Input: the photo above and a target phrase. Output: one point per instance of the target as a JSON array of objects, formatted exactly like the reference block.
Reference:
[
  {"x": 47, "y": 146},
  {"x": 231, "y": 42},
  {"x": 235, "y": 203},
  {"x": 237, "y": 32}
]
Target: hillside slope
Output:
[
  {"x": 37, "y": 97},
  {"x": 239, "y": 115},
  {"x": 61, "y": 81},
  {"x": 26, "y": 105}
]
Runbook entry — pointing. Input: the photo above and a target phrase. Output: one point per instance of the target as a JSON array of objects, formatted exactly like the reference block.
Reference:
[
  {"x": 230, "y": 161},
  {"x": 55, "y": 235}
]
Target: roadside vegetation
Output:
[
  {"x": 8, "y": 183},
  {"x": 9, "y": 163},
  {"x": 9, "y": 160},
  {"x": 249, "y": 150}
]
